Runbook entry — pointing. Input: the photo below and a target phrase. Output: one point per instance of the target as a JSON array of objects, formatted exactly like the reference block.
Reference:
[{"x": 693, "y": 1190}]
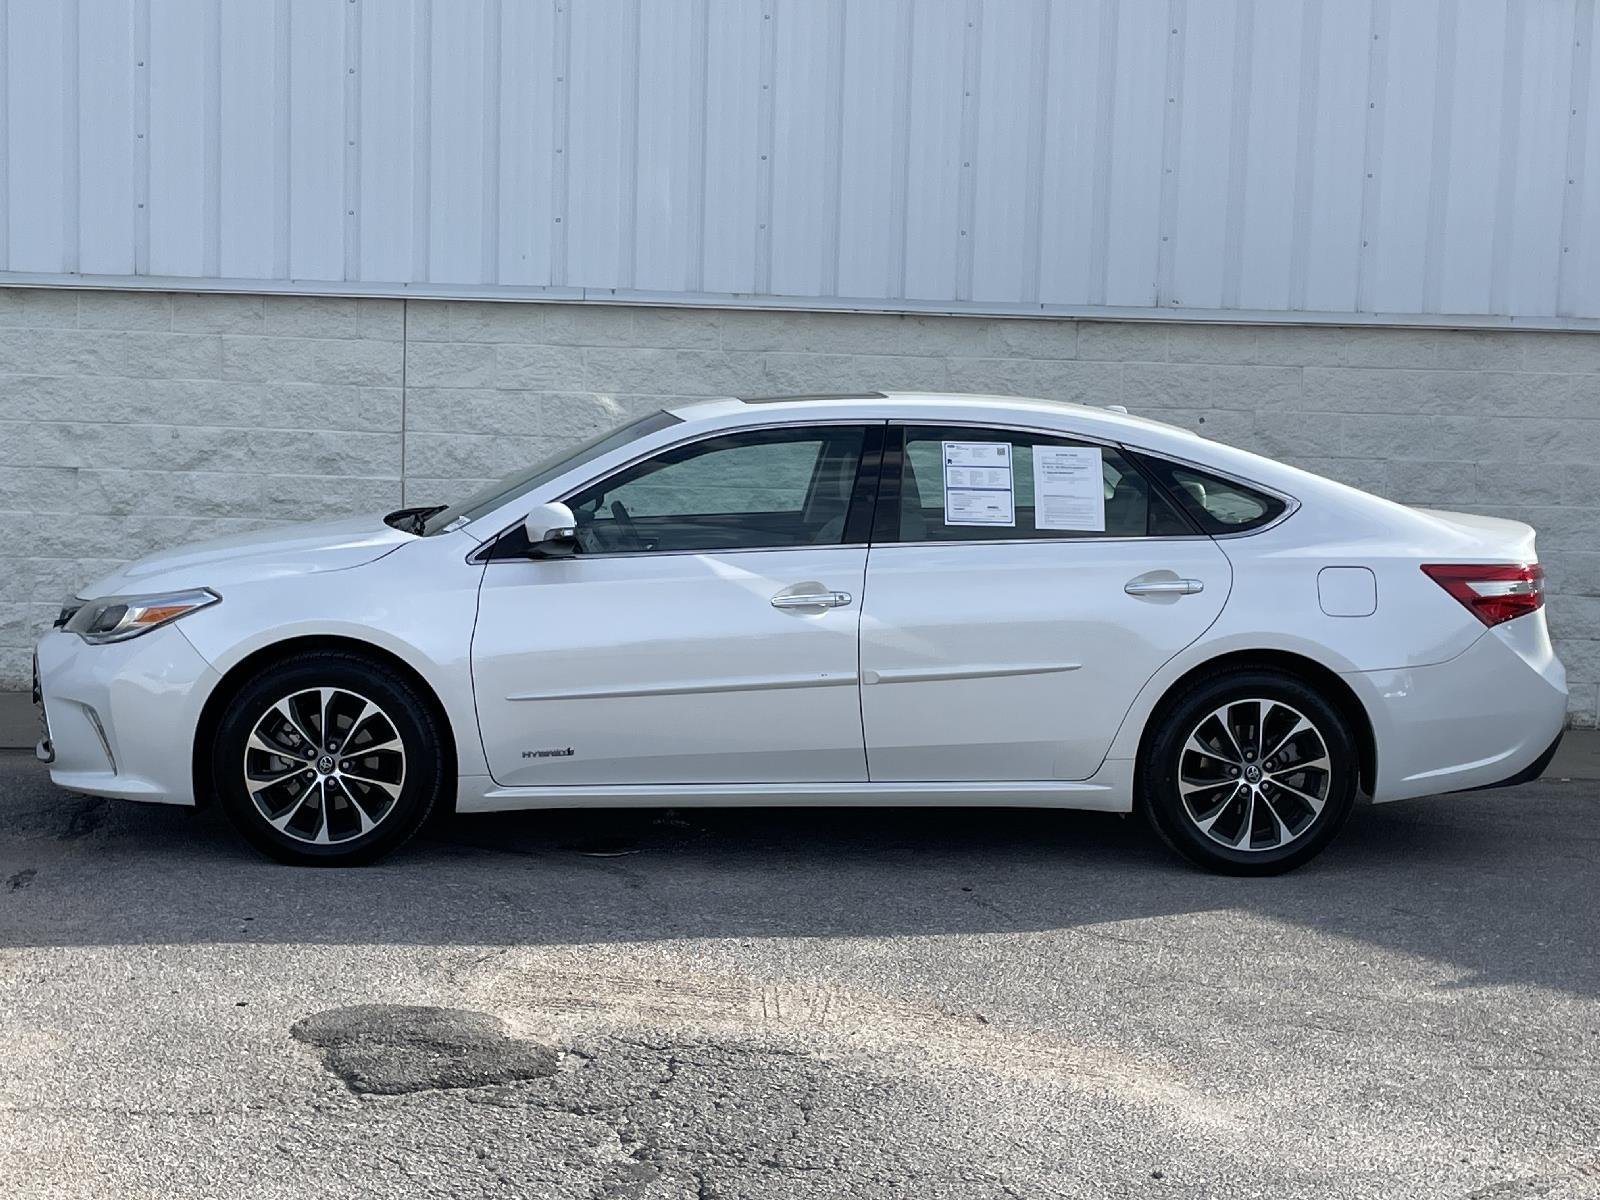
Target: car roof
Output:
[
  {"x": 1070, "y": 420},
  {"x": 1105, "y": 423}
]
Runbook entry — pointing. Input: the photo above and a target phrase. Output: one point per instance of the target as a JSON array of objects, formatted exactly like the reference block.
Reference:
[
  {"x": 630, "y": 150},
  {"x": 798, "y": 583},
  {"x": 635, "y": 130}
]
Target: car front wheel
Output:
[
  {"x": 328, "y": 759},
  {"x": 1250, "y": 772}
]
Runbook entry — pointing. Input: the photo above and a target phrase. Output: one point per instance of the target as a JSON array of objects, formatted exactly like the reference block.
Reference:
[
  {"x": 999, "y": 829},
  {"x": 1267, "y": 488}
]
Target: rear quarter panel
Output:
[{"x": 1274, "y": 604}]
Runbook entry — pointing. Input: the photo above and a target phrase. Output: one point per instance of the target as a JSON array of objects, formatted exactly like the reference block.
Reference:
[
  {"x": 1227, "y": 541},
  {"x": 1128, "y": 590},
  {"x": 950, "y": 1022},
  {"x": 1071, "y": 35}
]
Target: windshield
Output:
[{"x": 487, "y": 499}]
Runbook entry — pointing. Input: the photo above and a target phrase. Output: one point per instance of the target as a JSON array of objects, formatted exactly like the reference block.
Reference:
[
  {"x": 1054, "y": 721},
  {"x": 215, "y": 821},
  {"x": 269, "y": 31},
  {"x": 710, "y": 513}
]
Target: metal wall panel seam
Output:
[
  {"x": 1244, "y": 40},
  {"x": 405, "y": 352},
  {"x": 422, "y": 141},
  {"x": 967, "y": 189},
  {"x": 1505, "y": 196},
  {"x": 1439, "y": 167},
  {"x": 5, "y": 134},
  {"x": 1032, "y": 198},
  {"x": 699, "y": 76},
  {"x": 1372, "y": 153},
  {"x": 900, "y": 169},
  {"x": 141, "y": 142},
  {"x": 282, "y": 82},
  {"x": 560, "y": 110},
  {"x": 1305, "y": 158},
  {"x": 352, "y": 139},
  {"x": 211, "y": 149},
  {"x": 1171, "y": 140},
  {"x": 489, "y": 272},
  {"x": 628, "y": 177},
  {"x": 1104, "y": 126},
  {"x": 1570, "y": 284},
  {"x": 766, "y": 117},
  {"x": 70, "y": 153},
  {"x": 833, "y": 149}
]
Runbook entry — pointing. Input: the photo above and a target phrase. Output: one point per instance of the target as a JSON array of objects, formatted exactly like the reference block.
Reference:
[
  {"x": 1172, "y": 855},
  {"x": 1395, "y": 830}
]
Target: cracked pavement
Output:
[{"x": 731, "y": 1004}]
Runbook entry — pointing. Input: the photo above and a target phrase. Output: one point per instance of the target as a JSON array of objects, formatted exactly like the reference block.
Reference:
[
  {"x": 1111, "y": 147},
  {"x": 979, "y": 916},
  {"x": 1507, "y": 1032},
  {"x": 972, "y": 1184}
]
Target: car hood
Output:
[{"x": 266, "y": 554}]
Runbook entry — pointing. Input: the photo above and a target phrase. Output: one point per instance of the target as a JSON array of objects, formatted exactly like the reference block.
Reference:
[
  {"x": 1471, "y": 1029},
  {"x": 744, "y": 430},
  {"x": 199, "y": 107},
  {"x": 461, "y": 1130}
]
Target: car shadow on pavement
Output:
[{"x": 1502, "y": 885}]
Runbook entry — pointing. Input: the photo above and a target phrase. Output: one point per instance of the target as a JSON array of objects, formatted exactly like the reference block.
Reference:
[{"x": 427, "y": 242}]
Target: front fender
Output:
[{"x": 418, "y": 604}]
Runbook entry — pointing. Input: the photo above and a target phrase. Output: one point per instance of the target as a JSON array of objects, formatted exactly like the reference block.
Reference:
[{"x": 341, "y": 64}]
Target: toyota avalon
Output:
[{"x": 843, "y": 600}]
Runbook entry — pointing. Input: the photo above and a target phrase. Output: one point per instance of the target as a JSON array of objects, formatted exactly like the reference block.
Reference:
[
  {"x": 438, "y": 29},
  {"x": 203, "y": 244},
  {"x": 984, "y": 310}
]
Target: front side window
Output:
[
  {"x": 958, "y": 483},
  {"x": 739, "y": 491}
]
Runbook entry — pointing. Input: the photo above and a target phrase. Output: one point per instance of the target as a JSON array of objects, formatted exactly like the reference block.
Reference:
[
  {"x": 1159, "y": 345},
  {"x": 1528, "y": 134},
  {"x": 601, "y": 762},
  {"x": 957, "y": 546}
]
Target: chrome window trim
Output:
[
  {"x": 1050, "y": 541},
  {"x": 1291, "y": 504},
  {"x": 938, "y": 423},
  {"x": 1107, "y": 443},
  {"x": 489, "y": 562},
  {"x": 479, "y": 554}
]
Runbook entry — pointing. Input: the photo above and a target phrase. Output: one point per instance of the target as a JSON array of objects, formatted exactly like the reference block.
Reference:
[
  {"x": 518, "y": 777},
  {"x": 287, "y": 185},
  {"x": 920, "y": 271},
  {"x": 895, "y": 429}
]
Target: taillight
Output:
[{"x": 1493, "y": 593}]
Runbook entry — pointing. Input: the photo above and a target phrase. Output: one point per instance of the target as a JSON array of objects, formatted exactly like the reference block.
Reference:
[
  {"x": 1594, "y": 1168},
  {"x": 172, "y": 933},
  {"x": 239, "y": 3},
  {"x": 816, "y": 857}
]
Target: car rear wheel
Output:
[
  {"x": 329, "y": 760},
  {"x": 1250, "y": 772}
]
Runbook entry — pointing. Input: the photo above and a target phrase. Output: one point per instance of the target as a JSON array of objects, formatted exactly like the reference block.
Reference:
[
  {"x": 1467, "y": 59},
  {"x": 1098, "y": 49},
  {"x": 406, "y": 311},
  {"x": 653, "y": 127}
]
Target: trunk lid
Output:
[{"x": 1483, "y": 539}]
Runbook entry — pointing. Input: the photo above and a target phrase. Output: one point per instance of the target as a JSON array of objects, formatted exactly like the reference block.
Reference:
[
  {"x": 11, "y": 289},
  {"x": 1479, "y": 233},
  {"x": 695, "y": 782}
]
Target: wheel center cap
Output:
[
  {"x": 1252, "y": 773},
  {"x": 325, "y": 764}
]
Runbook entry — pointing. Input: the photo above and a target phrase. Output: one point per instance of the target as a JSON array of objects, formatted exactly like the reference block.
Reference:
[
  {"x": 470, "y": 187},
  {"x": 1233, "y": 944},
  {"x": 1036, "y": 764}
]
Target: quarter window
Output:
[
  {"x": 740, "y": 491},
  {"x": 1018, "y": 486},
  {"x": 1215, "y": 504}
]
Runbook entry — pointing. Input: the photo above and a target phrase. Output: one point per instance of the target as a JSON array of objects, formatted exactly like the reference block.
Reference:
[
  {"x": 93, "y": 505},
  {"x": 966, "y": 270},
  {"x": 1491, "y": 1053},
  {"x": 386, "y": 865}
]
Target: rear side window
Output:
[
  {"x": 1215, "y": 504},
  {"x": 959, "y": 483}
]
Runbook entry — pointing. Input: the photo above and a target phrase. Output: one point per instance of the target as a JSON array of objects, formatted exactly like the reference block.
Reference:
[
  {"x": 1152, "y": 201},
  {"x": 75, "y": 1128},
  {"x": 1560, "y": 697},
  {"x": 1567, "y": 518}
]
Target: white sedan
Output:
[{"x": 868, "y": 599}]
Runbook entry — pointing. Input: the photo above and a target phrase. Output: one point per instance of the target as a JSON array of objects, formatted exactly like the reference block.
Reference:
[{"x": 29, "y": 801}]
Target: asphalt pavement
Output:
[{"x": 781, "y": 1003}]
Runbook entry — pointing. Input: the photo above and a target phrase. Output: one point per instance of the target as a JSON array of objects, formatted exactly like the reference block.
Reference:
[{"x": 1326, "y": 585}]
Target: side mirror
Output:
[{"x": 552, "y": 531}]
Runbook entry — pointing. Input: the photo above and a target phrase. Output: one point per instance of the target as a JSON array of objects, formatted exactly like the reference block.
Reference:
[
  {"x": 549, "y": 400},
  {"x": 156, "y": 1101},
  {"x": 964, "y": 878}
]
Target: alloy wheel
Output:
[
  {"x": 324, "y": 765},
  {"x": 1254, "y": 775}
]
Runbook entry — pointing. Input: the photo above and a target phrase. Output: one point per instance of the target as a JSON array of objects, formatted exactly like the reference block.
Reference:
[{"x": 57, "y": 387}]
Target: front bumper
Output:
[
  {"x": 44, "y": 750},
  {"x": 121, "y": 717}
]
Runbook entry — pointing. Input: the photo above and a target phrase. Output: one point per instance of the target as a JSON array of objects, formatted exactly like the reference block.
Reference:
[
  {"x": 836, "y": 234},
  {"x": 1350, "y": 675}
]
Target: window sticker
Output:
[
  {"x": 1069, "y": 488},
  {"x": 977, "y": 484}
]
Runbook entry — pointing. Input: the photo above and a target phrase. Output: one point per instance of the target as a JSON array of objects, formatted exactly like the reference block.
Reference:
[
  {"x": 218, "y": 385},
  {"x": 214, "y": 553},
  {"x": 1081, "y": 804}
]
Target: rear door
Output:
[{"x": 1020, "y": 590}]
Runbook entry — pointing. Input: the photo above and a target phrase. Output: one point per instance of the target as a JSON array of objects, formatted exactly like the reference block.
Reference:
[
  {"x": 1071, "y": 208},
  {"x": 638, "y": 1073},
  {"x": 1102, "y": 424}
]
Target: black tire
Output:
[
  {"x": 399, "y": 747},
  {"x": 1286, "y": 829}
]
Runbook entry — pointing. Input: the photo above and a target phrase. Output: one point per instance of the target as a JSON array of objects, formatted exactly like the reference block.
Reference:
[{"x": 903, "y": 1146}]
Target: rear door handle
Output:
[
  {"x": 811, "y": 600},
  {"x": 1163, "y": 587}
]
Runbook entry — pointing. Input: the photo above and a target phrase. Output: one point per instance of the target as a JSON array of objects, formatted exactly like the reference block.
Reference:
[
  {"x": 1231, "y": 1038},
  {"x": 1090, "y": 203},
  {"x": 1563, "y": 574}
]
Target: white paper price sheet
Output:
[
  {"x": 1068, "y": 488},
  {"x": 978, "y": 484}
]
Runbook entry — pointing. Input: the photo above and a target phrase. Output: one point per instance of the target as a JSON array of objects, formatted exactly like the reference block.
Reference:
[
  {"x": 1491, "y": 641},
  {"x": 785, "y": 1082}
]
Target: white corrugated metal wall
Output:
[{"x": 1332, "y": 157}]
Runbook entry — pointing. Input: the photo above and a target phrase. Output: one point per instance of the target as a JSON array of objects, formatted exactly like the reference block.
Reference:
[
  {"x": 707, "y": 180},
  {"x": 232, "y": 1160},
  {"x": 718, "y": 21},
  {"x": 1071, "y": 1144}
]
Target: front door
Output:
[
  {"x": 1011, "y": 619},
  {"x": 706, "y": 632}
]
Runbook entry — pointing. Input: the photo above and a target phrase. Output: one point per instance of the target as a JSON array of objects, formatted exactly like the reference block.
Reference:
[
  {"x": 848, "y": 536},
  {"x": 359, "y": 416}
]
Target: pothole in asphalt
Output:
[{"x": 393, "y": 1049}]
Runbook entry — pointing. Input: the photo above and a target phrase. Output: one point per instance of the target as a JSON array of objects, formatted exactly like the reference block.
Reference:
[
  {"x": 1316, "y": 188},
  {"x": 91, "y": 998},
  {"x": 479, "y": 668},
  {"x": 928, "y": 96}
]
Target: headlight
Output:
[{"x": 118, "y": 618}]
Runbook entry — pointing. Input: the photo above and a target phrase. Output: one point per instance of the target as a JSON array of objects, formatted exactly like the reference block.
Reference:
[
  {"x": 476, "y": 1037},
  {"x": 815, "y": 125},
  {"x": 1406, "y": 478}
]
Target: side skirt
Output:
[{"x": 1110, "y": 790}]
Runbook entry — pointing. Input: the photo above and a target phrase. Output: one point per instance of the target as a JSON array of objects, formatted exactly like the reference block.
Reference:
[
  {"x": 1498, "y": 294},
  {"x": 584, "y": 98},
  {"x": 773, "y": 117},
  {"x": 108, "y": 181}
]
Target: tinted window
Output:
[
  {"x": 1127, "y": 505},
  {"x": 763, "y": 488},
  {"x": 1216, "y": 505}
]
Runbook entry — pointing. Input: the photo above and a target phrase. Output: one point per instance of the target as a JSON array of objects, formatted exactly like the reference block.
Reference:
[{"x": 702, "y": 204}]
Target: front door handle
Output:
[
  {"x": 1163, "y": 587},
  {"x": 811, "y": 600}
]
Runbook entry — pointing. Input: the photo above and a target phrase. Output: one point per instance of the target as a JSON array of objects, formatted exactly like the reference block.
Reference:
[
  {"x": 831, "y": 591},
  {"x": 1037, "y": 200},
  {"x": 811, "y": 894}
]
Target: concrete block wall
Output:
[{"x": 132, "y": 421}]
